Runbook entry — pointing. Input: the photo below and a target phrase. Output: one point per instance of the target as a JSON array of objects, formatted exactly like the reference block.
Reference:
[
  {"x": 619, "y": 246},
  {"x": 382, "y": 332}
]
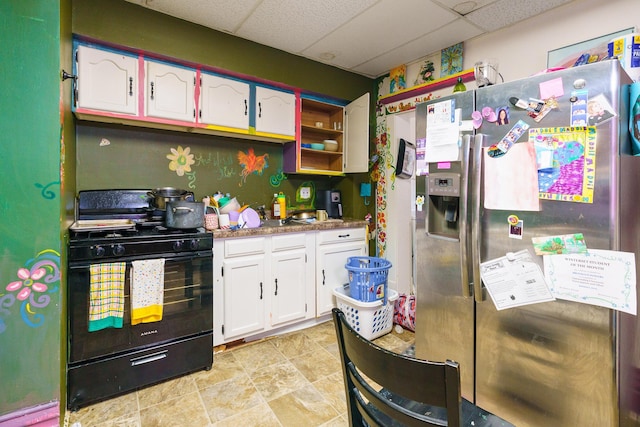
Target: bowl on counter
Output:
[
  {"x": 317, "y": 146},
  {"x": 229, "y": 206},
  {"x": 331, "y": 145}
]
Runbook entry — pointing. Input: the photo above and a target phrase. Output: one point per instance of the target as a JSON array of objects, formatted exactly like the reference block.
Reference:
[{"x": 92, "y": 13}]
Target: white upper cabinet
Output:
[
  {"x": 170, "y": 92},
  {"x": 224, "y": 102},
  {"x": 107, "y": 81},
  {"x": 356, "y": 135},
  {"x": 275, "y": 111}
]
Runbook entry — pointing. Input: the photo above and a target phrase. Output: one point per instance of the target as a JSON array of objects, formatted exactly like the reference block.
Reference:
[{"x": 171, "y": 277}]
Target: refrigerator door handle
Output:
[
  {"x": 463, "y": 215},
  {"x": 476, "y": 231}
]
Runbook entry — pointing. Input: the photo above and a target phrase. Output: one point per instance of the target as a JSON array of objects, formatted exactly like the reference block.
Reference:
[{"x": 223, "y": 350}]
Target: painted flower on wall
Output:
[
  {"x": 181, "y": 160},
  {"x": 28, "y": 281},
  {"x": 38, "y": 283},
  {"x": 251, "y": 163}
]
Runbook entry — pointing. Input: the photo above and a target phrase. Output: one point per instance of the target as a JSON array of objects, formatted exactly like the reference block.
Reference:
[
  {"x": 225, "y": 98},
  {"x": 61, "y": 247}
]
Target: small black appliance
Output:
[{"x": 330, "y": 201}]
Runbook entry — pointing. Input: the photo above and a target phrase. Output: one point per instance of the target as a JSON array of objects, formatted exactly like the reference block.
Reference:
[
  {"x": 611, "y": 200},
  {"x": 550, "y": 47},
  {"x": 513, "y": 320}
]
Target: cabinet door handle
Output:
[
  {"x": 130, "y": 86},
  {"x": 245, "y": 107},
  {"x": 276, "y": 293},
  {"x": 323, "y": 277},
  {"x": 260, "y": 290},
  {"x": 151, "y": 90},
  {"x": 259, "y": 109}
]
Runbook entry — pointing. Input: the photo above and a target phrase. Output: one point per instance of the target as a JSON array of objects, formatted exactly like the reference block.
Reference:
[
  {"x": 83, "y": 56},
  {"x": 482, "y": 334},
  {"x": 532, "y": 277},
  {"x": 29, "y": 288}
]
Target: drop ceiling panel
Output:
[
  {"x": 503, "y": 13},
  {"x": 223, "y": 15},
  {"x": 364, "y": 36},
  {"x": 293, "y": 28},
  {"x": 379, "y": 29},
  {"x": 463, "y": 7},
  {"x": 408, "y": 52}
]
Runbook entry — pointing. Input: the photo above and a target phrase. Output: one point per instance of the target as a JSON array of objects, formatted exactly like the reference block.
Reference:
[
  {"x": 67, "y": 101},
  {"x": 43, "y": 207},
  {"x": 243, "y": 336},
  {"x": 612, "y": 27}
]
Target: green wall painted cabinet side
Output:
[{"x": 31, "y": 206}]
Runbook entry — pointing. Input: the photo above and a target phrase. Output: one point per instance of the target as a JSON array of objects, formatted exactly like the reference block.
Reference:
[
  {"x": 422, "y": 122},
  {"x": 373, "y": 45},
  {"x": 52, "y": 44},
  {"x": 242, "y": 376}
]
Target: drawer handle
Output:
[
  {"x": 343, "y": 235},
  {"x": 149, "y": 358}
]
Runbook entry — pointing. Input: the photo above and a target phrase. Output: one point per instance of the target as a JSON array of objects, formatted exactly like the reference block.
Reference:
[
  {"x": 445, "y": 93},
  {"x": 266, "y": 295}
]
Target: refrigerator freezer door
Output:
[{"x": 445, "y": 316}]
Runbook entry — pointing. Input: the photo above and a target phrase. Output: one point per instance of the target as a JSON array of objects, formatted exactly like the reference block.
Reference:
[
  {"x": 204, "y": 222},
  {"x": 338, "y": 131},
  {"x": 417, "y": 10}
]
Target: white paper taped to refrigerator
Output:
[
  {"x": 443, "y": 132},
  {"x": 598, "y": 277},
  {"x": 511, "y": 181},
  {"x": 515, "y": 280}
]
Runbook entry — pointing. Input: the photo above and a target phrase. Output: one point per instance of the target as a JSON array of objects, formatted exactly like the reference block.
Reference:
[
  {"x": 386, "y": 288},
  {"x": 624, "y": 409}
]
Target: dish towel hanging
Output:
[
  {"x": 106, "y": 295},
  {"x": 147, "y": 290}
]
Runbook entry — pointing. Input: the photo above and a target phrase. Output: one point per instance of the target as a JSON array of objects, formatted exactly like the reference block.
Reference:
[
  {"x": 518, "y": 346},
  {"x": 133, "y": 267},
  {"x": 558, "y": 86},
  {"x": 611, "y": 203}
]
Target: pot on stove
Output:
[
  {"x": 185, "y": 215},
  {"x": 161, "y": 196}
]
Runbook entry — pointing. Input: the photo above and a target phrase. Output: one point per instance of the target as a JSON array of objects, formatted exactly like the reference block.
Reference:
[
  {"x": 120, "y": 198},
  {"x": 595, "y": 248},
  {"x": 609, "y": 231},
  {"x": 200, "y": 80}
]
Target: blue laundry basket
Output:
[{"x": 368, "y": 278}]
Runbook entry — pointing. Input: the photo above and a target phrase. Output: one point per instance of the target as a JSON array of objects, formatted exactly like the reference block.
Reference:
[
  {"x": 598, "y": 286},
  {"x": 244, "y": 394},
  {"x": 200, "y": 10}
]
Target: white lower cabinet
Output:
[
  {"x": 244, "y": 295},
  {"x": 333, "y": 248},
  {"x": 261, "y": 283}
]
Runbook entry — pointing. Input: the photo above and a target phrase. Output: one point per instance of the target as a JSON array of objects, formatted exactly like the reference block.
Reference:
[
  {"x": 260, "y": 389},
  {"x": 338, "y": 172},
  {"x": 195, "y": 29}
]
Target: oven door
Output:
[{"x": 187, "y": 310}]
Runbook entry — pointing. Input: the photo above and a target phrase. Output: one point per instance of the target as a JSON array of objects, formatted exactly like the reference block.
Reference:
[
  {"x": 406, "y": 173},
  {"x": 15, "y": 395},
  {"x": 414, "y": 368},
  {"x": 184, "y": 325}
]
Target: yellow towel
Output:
[{"x": 147, "y": 290}]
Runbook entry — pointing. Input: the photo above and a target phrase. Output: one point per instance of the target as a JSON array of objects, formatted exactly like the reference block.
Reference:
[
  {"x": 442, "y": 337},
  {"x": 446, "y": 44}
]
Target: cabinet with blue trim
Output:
[
  {"x": 170, "y": 91},
  {"x": 224, "y": 102},
  {"x": 320, "y": 120},
  {"x": 142, "y": 89},
  {"x": 107, "y": 81}
]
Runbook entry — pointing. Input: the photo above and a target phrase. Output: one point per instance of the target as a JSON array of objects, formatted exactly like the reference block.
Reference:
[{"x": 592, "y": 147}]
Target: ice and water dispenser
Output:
[{"x": 443, "y": 190}]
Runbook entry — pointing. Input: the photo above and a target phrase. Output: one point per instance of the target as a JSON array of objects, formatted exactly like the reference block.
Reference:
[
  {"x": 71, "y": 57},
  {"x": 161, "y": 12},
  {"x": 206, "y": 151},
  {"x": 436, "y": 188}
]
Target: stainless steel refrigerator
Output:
[{"x": 557, "y": 363}]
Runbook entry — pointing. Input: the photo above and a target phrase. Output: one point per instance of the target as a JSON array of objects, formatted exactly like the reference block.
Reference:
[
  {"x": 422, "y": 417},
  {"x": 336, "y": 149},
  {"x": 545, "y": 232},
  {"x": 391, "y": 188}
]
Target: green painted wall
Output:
[
  {"x": 31, "y": 203},
  {"x": 125, "y": 156}
]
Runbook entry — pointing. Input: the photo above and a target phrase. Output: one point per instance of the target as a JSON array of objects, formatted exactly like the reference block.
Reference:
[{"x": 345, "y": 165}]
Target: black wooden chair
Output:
[{"x": 406, "y": 391}]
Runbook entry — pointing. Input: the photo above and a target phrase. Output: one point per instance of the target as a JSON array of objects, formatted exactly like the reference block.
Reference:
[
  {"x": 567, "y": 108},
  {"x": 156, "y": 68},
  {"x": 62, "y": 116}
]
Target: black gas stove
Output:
[
  {"x": 139, "y": 241},
  {"x": 115, "y": 229},
  {"x": 121, "y": 223}
]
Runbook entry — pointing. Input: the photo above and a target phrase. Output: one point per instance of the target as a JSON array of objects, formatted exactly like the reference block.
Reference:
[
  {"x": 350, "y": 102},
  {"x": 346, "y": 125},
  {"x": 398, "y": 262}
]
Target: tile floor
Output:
[{"x": 293, "y": 380}]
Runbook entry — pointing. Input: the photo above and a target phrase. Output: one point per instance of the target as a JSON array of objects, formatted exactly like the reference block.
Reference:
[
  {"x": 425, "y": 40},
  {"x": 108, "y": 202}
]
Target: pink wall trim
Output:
[{"x": 46, "y": 415}]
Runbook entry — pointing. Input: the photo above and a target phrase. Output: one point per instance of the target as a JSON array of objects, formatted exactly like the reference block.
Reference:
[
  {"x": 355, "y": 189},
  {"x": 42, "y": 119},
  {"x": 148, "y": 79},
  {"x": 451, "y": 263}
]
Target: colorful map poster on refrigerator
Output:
[{"x": 566, "y": 161}]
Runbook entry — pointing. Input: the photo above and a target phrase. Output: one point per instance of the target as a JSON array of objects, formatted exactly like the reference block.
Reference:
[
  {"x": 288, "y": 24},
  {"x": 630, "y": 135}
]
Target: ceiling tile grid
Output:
[{"x": 367, "y": 37}]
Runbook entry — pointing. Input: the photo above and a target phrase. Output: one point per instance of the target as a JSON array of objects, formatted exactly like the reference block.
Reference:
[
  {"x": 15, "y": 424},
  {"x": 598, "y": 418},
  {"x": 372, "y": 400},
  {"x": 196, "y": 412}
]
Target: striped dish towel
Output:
[
  {"x": 106, "y": 296},
  {"x": 147, "y": 290}
]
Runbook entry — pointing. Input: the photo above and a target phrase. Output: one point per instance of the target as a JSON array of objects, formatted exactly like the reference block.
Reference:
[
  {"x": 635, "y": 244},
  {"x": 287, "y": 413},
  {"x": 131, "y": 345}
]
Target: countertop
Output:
[{"x": 330, "y": 224}]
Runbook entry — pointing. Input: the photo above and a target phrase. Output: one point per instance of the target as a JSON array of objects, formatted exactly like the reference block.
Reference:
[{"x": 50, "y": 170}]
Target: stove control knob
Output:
[
  {"x": 177, "y": 245},
  {"x": 194, "y": 244},
  {"x": 118, "y": 250},
  {"x": 97, "y": 251}
]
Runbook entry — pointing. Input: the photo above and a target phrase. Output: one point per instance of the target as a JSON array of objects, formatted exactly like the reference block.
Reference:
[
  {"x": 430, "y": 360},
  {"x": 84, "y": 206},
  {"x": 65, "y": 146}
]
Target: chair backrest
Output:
[{"x": 403, "y": 384}]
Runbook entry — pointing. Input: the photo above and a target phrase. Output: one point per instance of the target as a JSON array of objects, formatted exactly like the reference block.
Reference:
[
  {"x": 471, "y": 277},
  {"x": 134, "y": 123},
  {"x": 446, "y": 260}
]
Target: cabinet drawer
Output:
[
  {"x": 236, "y": 247},
  {"x": 341, "y": 235},
  {"x": 288, "y": 241}
]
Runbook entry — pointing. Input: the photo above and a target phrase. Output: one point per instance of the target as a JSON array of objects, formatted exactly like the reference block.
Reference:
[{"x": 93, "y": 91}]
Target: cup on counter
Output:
[
  {"x": 321, "y": 215},
  {"x": 233, "y": 218},
  {"x": 224, "y": 221},
  {"x": 211, "y": 221}
]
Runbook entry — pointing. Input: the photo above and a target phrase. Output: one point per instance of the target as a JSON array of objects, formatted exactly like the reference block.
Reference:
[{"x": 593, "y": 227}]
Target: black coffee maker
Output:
[{"x": 330, "y": 201}]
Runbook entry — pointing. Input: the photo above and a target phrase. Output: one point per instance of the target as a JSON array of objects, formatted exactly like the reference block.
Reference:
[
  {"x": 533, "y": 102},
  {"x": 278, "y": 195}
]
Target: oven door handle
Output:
[
  {"x": 149, "y": 358},
  {"x": 79, "y": 265}
]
